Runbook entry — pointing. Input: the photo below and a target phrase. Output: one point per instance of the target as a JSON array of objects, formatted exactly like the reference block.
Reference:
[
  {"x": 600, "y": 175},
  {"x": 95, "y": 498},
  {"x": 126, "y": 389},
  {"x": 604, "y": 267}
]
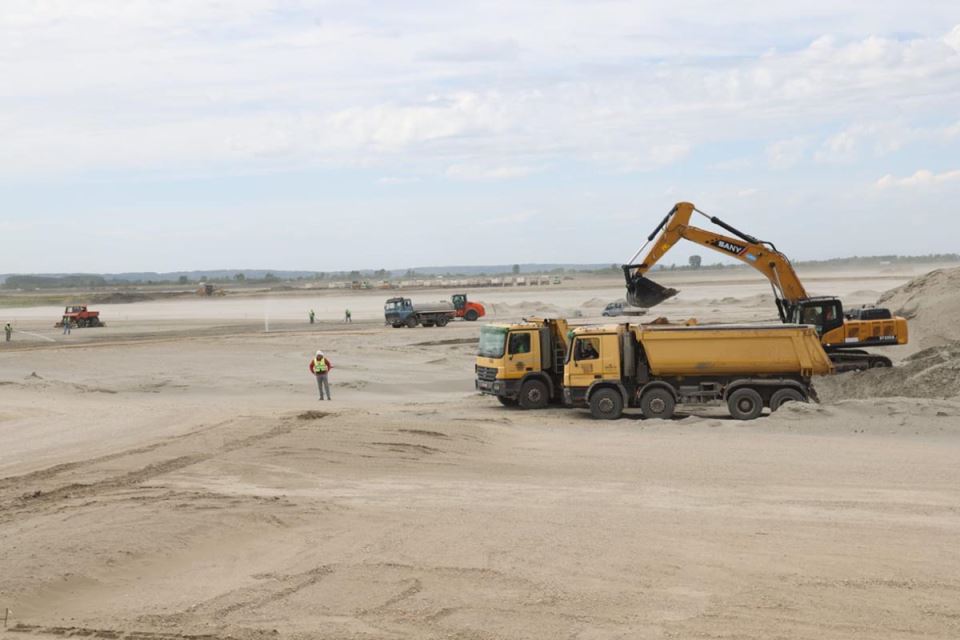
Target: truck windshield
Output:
[
  {"x": 392, "y": 306},
  {"x": 492, "y": 341}
]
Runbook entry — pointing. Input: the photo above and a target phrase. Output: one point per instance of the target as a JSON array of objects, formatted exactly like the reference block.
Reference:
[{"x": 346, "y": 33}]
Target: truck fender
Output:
[
  {"x": 779, "y": 383},
  {"x": 659, "y": 384},
  {"x": 599, "y": 384}
]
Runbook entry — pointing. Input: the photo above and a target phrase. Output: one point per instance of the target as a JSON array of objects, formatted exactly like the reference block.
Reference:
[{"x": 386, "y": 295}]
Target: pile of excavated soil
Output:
[
  {"x": 931, "y": 304},
  {"x": 931, "y": 373}
]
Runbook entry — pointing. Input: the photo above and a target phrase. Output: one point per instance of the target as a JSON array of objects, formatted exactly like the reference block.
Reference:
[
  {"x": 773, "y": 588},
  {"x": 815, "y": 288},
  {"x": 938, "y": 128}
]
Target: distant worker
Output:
[
  {"x": 66, "y": 326},
  {"x": 312, "y": 316},
  {"x": 347, "y": 317},
  {"x": 320, "y": 367},
  {"x": 8, "y": 330}
]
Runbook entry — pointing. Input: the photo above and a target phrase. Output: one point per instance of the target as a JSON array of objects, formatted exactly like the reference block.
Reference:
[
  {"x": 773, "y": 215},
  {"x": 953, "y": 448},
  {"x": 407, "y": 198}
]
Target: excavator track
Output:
[{"x": 857, "y": 361}]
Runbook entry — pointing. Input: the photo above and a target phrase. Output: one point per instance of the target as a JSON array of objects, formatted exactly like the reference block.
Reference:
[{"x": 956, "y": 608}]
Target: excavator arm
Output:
[{"x": 762, "y": 256}]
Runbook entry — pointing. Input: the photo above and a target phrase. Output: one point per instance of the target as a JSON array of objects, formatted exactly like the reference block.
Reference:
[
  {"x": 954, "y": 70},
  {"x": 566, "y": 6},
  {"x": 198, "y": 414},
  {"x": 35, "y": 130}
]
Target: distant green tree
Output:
[
  {"x": 269, "y": 277},
  {"x": 695, "y": 261},
  {"x": 516, "y": 269},
  {"x": 239, "y": 277},
  {"x": 183, "y": 280}
]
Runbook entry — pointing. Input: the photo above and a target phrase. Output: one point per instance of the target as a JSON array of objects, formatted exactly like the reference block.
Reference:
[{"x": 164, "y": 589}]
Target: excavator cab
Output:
[
  {"x": 644, "y": 292},
  {"x": 826, "y": 314}
]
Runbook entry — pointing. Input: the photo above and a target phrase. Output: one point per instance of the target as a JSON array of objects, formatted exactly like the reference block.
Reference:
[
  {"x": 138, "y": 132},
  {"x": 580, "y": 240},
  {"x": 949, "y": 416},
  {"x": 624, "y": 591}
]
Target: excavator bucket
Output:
[{"x": 643, "y": 292}]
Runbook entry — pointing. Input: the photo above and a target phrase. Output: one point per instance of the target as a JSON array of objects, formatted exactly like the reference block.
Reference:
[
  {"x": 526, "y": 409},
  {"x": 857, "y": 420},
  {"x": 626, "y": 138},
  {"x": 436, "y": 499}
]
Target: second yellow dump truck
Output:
[{"x": 748, "y": 367}]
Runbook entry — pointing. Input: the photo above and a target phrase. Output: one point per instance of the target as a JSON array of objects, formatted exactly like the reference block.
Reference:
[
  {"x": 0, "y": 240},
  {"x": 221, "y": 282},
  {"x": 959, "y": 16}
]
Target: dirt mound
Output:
[
  {"x": 931, "y": 303},
  {"x": 595, "y": 302},
  {"x": 119, "y": 297},
  {"x": 930, "y": 373}
]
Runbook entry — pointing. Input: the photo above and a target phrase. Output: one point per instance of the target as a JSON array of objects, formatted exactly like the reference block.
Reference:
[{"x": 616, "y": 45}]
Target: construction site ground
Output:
[{"x": 173, "y": 474}]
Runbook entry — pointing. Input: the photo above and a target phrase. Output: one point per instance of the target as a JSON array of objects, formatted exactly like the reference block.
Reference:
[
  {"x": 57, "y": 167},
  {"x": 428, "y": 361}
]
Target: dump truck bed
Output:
[{"x": 733, "y": 350}]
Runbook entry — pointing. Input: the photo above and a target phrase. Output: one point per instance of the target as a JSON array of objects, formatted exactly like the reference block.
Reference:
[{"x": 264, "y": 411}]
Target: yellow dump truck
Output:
[
  {"x": 522, "y": 364},
  {"x": 655, "y": 368}
]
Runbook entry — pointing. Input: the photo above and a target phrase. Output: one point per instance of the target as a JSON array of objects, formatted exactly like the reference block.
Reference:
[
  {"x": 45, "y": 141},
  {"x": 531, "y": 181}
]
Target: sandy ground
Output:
[{"x": 173, "y": 474}]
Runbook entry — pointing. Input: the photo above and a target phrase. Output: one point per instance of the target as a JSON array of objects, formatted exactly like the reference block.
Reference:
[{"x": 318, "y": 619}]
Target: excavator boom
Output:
[{"x": 763, "y": 256}]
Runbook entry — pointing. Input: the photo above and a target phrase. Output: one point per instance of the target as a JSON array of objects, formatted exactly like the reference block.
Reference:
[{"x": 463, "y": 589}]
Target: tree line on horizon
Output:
[{"x": 93, "y": 281}]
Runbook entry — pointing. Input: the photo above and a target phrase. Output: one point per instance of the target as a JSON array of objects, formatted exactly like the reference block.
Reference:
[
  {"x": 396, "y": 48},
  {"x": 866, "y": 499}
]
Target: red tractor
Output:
[
  {"x": 80, "y": 316},
  {"x": 466, "y": 309}
]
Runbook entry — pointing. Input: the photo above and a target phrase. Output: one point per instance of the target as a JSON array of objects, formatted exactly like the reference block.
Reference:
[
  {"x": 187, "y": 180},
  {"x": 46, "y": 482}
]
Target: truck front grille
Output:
[{"x": 486, "y": 374}]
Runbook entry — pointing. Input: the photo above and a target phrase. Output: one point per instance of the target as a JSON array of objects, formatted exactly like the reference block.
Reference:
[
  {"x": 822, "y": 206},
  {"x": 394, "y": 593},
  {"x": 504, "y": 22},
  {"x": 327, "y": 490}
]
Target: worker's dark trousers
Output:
[{"x": 323, "y": 384}]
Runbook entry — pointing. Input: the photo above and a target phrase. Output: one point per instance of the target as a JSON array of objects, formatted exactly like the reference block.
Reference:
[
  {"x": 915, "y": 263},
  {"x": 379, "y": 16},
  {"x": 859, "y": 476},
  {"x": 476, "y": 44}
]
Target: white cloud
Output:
[
  {"x": 397, "y": 180},
  {"x": 785, "y": 154},
  {"x": 953, "y": 39},
  {"x": 922, "y": 178},
  {"x": 488, "y": 173},
  {"x": 260, "y": 83}
]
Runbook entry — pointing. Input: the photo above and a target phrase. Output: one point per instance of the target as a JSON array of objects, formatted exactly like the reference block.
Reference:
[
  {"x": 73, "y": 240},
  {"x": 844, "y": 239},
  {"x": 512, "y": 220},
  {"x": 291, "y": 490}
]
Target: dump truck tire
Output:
[
  {"x": 781, "y": 396},
  {"x": 658, "y": 403},
  {"x": 442, "y": 321},
  {"x": 507, "y": 402},
  {"x": 471, "y": 315},
  {"x": 745, "y": 404},
  {"x": 606, "y": 404},
  {"x": 533, "y": 395},
  {"x": 411, "y": 322}
]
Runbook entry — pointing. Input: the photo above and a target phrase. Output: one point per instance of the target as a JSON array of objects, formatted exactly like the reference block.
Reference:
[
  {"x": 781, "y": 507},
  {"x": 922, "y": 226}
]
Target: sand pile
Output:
[
  {"x": 930, "y": 373},
  {"x": 931, "y": 303},
  {"x": 594, "y": 302}
]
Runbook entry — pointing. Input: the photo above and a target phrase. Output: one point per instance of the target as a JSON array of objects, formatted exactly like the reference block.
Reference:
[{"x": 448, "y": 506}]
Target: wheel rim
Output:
[
  {"x": 745, "y": 405},
  {"x": 657, "y": 405},
  {"x": 533, "y": 395},
  {"x": 605, "y": 405}
]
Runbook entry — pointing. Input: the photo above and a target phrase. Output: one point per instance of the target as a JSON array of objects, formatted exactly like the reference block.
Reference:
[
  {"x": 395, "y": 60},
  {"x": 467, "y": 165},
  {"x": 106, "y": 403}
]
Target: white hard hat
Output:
[{"x": 320, "y": 353}]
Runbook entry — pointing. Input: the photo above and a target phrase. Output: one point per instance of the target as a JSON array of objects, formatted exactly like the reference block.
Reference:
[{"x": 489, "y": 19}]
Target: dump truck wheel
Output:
[
  {"x": 471, "y": 315},
  {"x": 442, "y": 322},
  {"x": 658, "y": 403},
  {"x": 396, "y": 326},
  {"x": 411, "y": 322},
  {"x": 745, "y": 404},
  {"x": 606, "y": 404},
  {"x": 785, "y": 395},
  {"x": 507, "y": 402},
  {"x": 533, "y": 395}
]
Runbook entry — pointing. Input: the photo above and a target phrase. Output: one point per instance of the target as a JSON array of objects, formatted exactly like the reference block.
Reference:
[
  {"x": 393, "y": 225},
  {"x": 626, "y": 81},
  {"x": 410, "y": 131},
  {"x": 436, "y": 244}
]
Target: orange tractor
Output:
[{"x": 80, "y": 316}]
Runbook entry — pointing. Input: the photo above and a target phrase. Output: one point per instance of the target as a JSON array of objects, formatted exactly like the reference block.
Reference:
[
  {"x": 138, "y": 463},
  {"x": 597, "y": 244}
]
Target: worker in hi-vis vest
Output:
[{"x": 320, "y": 367}]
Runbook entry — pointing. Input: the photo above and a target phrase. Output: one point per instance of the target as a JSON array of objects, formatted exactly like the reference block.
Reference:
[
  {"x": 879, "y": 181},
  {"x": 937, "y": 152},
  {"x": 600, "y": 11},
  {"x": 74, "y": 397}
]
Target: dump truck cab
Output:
[
  {"x": 656, "y": 368},
  {"x": 522, "y": 364}
]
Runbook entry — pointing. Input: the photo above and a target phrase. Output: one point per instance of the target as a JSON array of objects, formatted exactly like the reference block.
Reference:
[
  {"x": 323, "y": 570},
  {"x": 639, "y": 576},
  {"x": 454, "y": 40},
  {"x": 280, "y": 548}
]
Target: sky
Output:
[{"x": 148, "y": 135}]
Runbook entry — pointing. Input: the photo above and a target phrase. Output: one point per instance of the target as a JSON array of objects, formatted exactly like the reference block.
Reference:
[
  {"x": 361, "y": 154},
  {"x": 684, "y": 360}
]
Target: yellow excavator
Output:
[{"x": 843, "y": 336}]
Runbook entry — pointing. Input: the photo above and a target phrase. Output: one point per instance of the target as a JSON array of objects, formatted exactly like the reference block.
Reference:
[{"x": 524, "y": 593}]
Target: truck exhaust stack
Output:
[{"x": 644, "y": 292}]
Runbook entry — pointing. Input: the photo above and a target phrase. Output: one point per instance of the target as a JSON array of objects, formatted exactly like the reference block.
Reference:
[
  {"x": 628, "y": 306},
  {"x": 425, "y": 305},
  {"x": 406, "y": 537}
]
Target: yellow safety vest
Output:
[{"x": 320, "y": 366}]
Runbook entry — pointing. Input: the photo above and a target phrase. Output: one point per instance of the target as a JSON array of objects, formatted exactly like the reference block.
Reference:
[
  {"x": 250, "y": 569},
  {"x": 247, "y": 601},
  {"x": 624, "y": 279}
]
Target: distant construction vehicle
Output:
[
  {"x": 656, "y": 368},
  {"x": 207, "y": 290},
  {"x": 403, "y": 312},
  {"x": 80, "y": 316},
  {"x": 842, "y": 337}
]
